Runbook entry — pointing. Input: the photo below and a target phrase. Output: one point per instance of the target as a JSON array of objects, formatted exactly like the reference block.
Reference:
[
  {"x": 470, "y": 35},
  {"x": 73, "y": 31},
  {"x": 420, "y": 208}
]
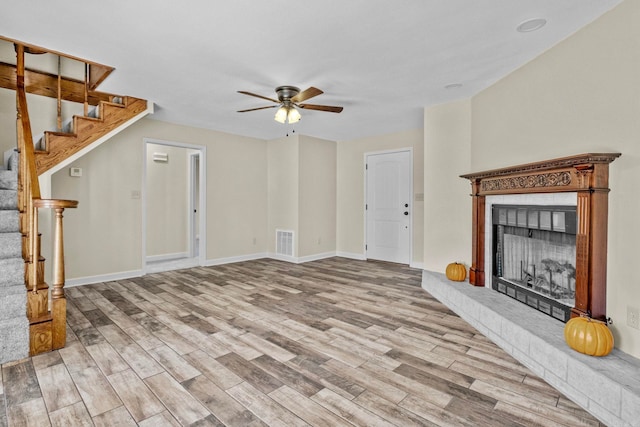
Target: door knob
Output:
[
  {"x": 406, "y": 213},
  {"x": 406, "y": 205}
]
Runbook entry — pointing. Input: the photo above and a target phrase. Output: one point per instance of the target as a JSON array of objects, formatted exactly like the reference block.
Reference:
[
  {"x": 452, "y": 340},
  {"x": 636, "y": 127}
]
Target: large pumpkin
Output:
[
  {"x": 456, "y": 272},
  {"x": 588, "y": 336}
]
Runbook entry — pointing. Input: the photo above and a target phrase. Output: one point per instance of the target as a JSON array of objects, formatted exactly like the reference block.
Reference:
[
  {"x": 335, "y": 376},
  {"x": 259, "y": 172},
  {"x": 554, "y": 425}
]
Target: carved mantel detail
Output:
[
  {"x": 585, "y": 174},
  {"x": 553, "y": 179}
]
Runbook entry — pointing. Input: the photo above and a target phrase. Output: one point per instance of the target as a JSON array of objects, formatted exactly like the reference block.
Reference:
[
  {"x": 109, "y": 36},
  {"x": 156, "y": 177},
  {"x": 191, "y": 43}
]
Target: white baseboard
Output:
[
  {"x": 102, "y": 278},
  {"x": 167, "y": 257},
  {"x": 418, "y": 265},
  {"x": 285, "y": 258},
  {"x": 229, "y": 260},
  {"x": 301, "y": 260},
  {"x": 171, "y": 264},
  {"x": 315, "y": 257},
  {"x": 351, "y": 255}
]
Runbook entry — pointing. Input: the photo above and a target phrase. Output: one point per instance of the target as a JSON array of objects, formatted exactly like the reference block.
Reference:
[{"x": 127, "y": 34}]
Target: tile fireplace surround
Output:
[{"x": 608, "y": 387}]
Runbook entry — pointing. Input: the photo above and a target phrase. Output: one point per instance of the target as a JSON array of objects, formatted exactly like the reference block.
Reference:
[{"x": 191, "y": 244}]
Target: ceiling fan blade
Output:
[
  {"x": 306, "y": 94},
  {"x": 258, "y": 96},
  {"x": 328, "y": 108},
  {"x": 259, "y": 108}
]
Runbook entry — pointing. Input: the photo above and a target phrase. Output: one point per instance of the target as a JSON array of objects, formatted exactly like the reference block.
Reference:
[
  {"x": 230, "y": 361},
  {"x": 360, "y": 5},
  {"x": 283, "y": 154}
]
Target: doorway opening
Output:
[{"x": 174, "y": 217}]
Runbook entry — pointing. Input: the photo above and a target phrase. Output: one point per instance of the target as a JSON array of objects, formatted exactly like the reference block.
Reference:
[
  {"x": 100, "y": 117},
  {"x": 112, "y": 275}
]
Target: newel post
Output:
[{"x": 58, "y": 300}]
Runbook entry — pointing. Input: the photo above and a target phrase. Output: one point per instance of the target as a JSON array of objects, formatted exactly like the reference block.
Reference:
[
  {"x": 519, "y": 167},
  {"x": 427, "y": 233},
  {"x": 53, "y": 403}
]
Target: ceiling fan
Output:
[{"x": 290, "y": 97}]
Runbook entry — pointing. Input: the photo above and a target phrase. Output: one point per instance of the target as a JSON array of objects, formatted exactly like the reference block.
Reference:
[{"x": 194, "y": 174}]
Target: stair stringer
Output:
[{"x": 66, "y": 161}]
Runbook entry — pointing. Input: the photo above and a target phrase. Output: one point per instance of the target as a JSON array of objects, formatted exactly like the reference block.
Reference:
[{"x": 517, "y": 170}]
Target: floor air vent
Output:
[{"x": 284, "y": 242}]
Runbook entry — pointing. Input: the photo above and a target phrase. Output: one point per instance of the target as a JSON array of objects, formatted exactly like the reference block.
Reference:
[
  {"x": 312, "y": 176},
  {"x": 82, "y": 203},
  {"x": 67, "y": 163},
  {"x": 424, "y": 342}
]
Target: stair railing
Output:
[{"x": 47, "y": 330}]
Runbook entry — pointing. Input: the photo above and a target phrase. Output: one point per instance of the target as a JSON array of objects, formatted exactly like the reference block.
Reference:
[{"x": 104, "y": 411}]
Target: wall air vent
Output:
[{"x": 284, "y": 242}]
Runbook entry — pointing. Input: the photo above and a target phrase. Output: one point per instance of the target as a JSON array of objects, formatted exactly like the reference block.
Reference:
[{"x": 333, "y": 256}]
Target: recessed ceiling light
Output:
[
  {"x": 531, "y": 25},
  {"x": 453, "y": 86}
]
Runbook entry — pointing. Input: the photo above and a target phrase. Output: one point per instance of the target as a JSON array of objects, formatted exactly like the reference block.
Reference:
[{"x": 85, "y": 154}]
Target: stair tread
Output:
[
  {"x": 9, "y": 220},
  {"x": 8, "y": 199}
]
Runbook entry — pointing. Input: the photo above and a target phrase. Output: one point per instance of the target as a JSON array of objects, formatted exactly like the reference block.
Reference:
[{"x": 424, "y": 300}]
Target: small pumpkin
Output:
[
  {"x": 456, "y": 272},
  {"x": 588, "y": 336}
]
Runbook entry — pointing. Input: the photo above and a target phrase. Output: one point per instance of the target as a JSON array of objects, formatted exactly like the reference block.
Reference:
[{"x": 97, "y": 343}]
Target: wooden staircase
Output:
[
  {"x": 59, "y": 146},
  {"x": 46, "y": 310}
]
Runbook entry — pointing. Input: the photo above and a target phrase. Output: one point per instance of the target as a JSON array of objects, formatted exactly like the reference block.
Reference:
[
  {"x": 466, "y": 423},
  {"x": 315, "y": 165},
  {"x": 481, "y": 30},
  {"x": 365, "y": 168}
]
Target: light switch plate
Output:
[{"x": 75, "y": 172}]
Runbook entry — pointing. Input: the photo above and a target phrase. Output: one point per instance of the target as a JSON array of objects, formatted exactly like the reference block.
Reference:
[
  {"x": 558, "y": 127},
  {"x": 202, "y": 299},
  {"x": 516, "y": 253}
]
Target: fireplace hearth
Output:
[{"x": 553, "y": 279}]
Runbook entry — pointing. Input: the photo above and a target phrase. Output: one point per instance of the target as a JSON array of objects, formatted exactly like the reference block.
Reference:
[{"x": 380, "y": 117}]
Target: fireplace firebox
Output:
[
  {"x": 534, "y": 256},
  {"x": 573, "y": 288}
]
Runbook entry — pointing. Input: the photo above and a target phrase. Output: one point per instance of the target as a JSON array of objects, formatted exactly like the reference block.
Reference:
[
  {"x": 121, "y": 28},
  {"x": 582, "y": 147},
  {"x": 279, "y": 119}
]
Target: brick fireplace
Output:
[{"x": 586, "y": 175}]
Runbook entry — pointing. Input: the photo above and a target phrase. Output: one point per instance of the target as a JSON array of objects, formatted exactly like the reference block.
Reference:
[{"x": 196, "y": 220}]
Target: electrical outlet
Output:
[{"x": 633, "y": 319}]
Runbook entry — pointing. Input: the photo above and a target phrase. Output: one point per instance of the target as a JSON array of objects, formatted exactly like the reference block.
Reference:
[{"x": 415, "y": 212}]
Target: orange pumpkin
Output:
[
  {"x": 456, "y": 272},
  {"x": 588, "y": 336}
]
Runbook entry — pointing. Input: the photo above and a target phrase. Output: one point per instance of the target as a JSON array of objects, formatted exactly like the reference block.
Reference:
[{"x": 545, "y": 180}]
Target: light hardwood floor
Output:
[{"x": 335, "y": 342}]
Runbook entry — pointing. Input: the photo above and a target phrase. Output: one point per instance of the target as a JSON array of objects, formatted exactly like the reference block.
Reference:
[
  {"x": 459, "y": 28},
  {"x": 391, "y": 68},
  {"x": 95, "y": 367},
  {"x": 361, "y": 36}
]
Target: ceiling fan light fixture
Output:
[
  {"x": 293, "y": 116},
  {"x": 281, "y": 114}
]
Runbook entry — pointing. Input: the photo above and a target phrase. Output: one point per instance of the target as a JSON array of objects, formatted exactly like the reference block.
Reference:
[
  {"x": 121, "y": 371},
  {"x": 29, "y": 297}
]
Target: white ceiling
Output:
[{"x": 382, "y": 60}]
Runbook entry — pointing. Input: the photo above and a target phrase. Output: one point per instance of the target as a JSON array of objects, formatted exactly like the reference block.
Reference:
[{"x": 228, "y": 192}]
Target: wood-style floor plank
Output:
[
  {"x": 334, "y": 342},
  {"x": 182, "y": 405},
  {"x": 72, "y": 415},
  {"x": 136, "y": 396}
]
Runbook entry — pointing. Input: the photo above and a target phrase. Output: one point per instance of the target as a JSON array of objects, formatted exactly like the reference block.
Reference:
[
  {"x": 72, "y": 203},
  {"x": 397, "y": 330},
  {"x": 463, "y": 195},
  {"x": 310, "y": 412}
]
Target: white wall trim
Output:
[
  {"x": 418, "y": 265},
  {"x": 352, "y": 255},
  {"x": 167, "y": 257},
  {"x": 315, "y": 257},
  {"x": 285, "y": 258},
  {"x": 231, "y": 260},
  {"x": 88, "y": 280}
]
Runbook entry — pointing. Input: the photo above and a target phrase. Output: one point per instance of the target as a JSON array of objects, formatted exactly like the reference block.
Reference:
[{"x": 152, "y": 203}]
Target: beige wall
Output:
[
  {"x": 350, "y": 192},
  {"x": 302, "y": 193},
  {"x": 580, "y": 96},
  {"x": 447, "y": 211},
  {"x": 103, "y": 236},
  {"x": 167, "y": 198},
  {"x": 283, "y": 189},
  {"x": 316, "y": 196}
]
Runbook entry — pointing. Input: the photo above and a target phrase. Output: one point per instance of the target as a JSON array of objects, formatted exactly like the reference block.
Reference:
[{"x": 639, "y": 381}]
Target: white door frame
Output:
[
  {"x": 194, "y": 159},
  {"x": 411, "y": 202},
  {"x": 202, "y": 223}
]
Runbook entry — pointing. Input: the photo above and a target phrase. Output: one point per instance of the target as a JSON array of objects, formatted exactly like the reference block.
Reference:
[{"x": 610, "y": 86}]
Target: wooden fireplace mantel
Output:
[{"x": 585, "y": 174}]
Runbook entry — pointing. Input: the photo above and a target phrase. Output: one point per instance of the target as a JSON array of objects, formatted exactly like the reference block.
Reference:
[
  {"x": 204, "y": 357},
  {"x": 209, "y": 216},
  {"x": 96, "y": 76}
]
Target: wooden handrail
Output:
[
  {"x": 29, "y": 201},
  {"x": 29, "y": 184}
]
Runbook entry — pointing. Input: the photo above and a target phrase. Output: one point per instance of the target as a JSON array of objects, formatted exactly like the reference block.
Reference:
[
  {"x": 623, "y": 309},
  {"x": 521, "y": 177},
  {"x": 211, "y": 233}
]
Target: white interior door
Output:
[{"x": 388, "y": 206}]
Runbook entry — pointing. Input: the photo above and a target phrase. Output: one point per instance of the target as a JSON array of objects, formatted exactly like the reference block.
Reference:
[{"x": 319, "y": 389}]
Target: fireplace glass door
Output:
[{"x": 534, "y": 257}]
